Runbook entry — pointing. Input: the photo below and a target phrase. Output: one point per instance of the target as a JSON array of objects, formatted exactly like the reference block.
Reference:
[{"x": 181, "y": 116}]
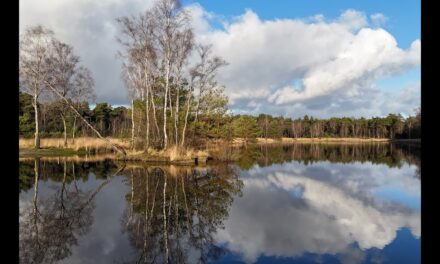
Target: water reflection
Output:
[
  {"x": 174, "y": 212},
  {"x": 292, "y": 209},
  {"x": 49, "y": 226},
  {"x": 299, "y": 204},
  {"x": 53, "y": 169},
  {"x": 393, "y": 155}
]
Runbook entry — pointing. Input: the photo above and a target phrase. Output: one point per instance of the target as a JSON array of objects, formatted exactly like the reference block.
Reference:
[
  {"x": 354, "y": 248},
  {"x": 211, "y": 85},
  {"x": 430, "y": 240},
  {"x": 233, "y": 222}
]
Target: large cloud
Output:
[
  {"x": 282, "y": 66},
  {"x": 287, "y": 66},
  {"x": 291, "y": 209},
  {"x": 90, "y": 26},
  {"x": 369, "y": 54}
]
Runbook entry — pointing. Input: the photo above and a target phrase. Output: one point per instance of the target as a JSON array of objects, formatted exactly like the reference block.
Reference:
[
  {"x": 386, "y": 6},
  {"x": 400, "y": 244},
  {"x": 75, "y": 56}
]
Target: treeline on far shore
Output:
[
  {"x": 117, "y": 122},
  {"x": 175, "y": 102}
]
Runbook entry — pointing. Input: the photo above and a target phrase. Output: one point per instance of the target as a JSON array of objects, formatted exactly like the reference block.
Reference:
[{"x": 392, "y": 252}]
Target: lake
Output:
[{"x": 303, "y": 203}]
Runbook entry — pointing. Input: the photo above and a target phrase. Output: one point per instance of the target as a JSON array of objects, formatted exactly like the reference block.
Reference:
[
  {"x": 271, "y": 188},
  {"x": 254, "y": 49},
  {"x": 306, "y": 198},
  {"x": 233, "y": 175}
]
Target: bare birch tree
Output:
[
  {"x": 83, "y": 92},
  {"x": 48, "y": 65},
  {"x": 203, "y": 75},
  {"x": 183, "y": 45},
  {"x": 63, "y": 69},
  {"x": 171, "y": 19},
  {"x": 72, "y": 81},
  {"x": 54, "y": 82},
  {"x": 139, "y": 65},
  {"x": 35, "y": 48},
  {"x": 158, "y": 42},
  {"x": 156, "y": 48}
]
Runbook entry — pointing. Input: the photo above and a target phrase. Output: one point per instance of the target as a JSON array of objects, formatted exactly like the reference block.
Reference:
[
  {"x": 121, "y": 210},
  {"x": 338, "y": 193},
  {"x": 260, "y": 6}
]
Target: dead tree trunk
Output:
[{"x": 115, "y": 147}]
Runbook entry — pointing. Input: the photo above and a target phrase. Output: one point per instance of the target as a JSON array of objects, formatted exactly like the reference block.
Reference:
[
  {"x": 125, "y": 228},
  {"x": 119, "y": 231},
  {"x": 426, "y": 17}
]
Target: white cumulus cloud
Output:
[
  {"x": 378, "y": 19},
  {"x": 288, "y": 66},
  {"x": 335, "y": 61}
]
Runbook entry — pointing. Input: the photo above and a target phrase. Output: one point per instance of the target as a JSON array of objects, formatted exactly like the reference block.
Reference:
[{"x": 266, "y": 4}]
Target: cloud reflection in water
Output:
[{"x": 292, "y": 209}]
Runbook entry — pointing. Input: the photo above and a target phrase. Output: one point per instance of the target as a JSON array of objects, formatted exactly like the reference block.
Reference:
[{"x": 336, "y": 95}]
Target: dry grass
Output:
[
  {"x": 242, "y": 141},
  {"x": 96, "y": 145},
  {"x": 267, "y": 140},
  {"x": 74, "y": 158},
  {"x": 173, "y": 153},
  {"x": 87, "y": 143}
]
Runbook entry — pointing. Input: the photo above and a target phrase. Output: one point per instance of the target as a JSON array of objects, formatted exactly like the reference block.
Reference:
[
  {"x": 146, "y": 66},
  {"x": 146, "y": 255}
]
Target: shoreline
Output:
[
  {"x": 176, "y": 156},
  {"x": 323, "y": 140},
  {"x": 284, "y": 140}
]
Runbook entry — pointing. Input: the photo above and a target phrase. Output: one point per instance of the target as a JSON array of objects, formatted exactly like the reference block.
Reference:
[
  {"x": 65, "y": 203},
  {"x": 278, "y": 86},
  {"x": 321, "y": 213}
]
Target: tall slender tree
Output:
[
  {"x": 34, "y": 67},
  {"x": 171, "y": 20}
]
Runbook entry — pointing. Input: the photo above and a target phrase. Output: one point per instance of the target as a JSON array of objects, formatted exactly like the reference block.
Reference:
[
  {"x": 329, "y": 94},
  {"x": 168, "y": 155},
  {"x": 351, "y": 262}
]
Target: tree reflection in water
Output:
[
  {"x": 50, "y": 226},
  {"x": 173, "y": 214},
  {"x": 391, "y": 154},
  {"x": 174, "y": 211}
]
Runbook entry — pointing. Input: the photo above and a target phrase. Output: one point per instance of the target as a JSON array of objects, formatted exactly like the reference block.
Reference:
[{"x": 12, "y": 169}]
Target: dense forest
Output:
[
  {"x": 174, "y": 101},
  {"x": 116, "y": 122}
]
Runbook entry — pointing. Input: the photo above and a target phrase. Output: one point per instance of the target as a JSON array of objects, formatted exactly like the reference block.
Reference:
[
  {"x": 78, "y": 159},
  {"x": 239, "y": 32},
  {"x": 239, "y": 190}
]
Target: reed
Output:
[{"x": 90, "y": 144}]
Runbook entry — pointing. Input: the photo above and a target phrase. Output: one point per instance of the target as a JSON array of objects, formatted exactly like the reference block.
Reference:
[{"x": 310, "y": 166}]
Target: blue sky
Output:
[
  {"x": 403, "y": 22},
  {"x": 390, "y": 90},
  {"x": 291, "y": 58},
  {"x": 404, "y": 17},
  {"x": 397, "y": 82}
]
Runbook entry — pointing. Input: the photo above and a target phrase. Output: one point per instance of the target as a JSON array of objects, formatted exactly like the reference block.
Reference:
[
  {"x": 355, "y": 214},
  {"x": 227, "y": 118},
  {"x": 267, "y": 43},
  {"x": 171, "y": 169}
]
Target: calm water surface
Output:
[{"x": 275, "y": 204}]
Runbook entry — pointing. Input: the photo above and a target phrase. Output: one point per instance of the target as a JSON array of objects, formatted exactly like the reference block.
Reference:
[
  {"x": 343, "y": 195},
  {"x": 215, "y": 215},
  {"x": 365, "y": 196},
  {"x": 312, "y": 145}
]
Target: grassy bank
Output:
[
  {"x": 284, "y": 140},
  {"x": 96, "y": 145},
  {"x": 70, "y": 158},
  {"x": 171, "y": 155},
  {"x": 87, "y": 145},
  {"x": 217, "y": 149},
  {"x": 49, "y": 152},
  {"x": 84, "y": 144}
]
